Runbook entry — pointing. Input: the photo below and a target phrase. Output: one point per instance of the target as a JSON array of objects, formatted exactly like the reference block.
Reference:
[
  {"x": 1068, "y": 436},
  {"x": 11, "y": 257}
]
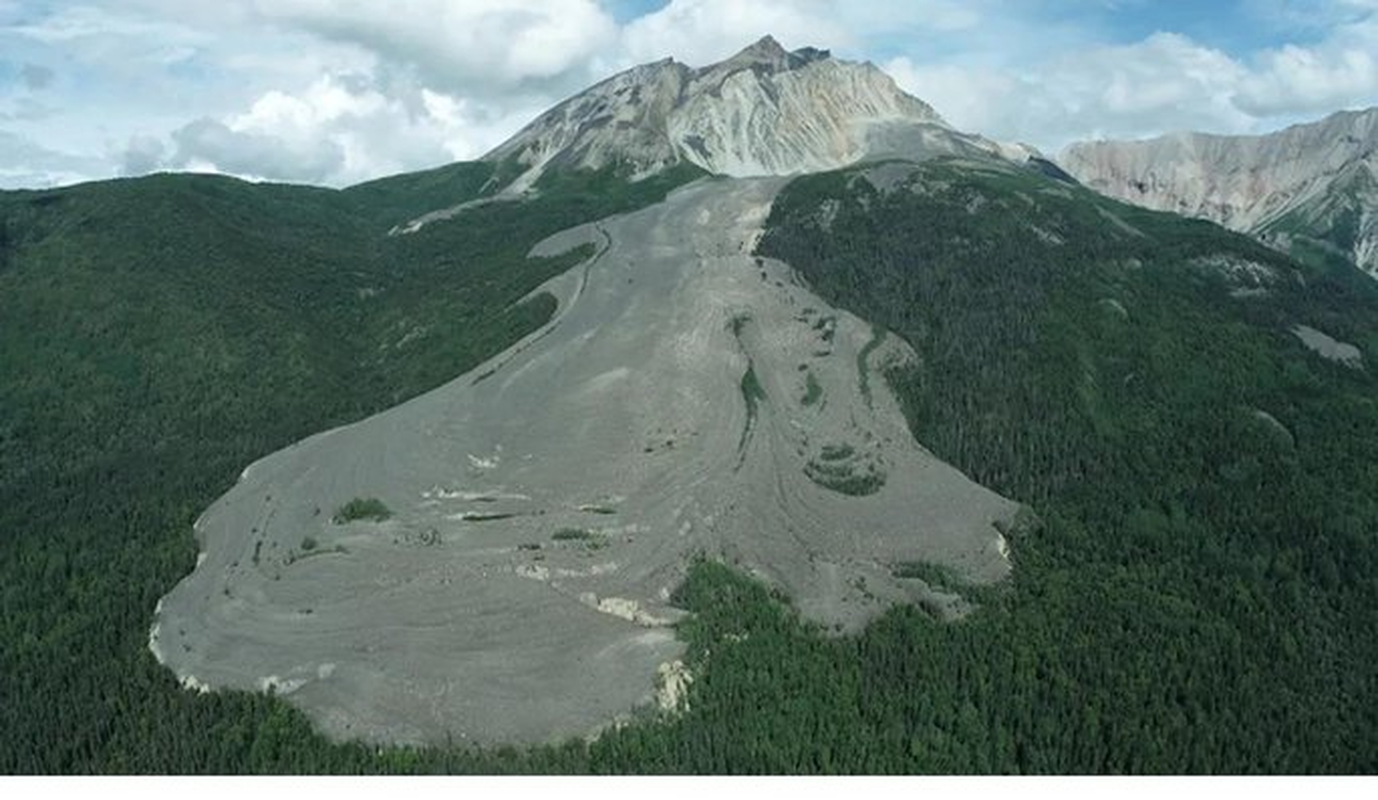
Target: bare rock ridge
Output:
[
  {"x": 764, "y": 111},
  {"x": 1318, "y": 181}
]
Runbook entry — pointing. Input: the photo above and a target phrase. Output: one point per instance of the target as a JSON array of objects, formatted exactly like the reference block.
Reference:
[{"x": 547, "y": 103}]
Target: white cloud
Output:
[
  {"x": 969, "y": 98},
  {"x": 701, "y": 32},
  {"x": 208, "y": 144},
  {"x": 341, "y": 129},
  {"x": 142, "y": 155},
  {"x": 335, "y": 91},
  {"x": 1165, "y": 82},
  {"x": 1341, "y": 71},
  {"x": 24, "y": 163},
  {"x": 478, "y": 46},
  {"x": 89, "y": 22}
]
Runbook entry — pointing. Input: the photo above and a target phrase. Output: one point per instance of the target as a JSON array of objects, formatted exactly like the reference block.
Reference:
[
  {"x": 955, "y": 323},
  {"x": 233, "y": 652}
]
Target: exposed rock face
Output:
[
  {"x": 765, "y": 111},
  {"x": 1330, "y": 348},
  {"x": 1313, "y": 181}
]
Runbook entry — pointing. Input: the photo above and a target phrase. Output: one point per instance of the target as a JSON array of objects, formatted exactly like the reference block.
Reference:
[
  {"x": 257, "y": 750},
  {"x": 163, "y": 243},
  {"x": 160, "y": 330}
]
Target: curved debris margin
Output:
[{"x": 537, "y": 521}]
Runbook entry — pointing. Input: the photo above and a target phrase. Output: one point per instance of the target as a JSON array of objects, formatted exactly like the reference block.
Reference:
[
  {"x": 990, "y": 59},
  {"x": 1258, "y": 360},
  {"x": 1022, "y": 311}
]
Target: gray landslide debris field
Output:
[{"x": 688, "y": 398}]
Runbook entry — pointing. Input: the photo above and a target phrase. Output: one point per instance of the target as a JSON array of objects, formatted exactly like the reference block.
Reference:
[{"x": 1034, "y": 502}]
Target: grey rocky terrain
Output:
[
  {"x": 534, "y": 516},
  {"x": 688, "y": 399},
  {"x": 1318, "y": 180},
  {"x": 764, "y": 111}
]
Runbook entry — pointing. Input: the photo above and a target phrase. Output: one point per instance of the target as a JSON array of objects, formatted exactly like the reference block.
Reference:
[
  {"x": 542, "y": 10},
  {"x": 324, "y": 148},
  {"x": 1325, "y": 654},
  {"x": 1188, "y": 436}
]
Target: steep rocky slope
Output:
[
  {"x": 764, "y": 111},
  {"x": 1309, "y": 184}
]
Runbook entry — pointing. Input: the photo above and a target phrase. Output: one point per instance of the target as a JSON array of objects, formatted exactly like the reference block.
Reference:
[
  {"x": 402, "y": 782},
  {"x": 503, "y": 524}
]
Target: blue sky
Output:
[
  {"x": 1214, "y": 22},
  {"x": 333, "y": 91}
]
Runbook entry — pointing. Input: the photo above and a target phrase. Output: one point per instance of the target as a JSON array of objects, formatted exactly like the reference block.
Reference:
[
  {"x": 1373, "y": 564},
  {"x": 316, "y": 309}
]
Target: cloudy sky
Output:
[{"x": 339, "y": 91}]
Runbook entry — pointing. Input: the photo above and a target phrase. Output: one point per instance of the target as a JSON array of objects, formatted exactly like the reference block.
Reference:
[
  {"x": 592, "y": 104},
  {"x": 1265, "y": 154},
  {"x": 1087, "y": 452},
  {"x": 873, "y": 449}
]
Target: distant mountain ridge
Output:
[
  {"x": 764, "y": 111},
  {"x": 1310, "y": 185}
]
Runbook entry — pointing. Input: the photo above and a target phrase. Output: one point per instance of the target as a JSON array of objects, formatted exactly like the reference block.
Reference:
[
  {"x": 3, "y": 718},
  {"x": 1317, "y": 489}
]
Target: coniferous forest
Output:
[{"x": 1198, "y": 596}]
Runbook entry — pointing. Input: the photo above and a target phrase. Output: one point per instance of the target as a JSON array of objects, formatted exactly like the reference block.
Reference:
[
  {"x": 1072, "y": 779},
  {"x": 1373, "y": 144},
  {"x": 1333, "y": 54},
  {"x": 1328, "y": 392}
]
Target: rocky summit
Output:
[{"x": 764, "y": 111}]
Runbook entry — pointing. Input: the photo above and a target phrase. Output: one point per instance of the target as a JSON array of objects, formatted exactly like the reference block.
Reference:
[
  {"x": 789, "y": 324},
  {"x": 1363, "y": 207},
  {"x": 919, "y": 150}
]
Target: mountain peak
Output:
[
  {"x": 765, "y": 48},
  {"x": 763, "y": 111},
  {"x": 767, "y": 52}
]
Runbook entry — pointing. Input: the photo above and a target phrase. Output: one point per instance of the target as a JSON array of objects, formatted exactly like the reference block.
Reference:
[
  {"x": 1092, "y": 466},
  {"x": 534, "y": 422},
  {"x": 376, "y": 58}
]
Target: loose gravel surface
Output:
[{"x": 688, "y": 398}]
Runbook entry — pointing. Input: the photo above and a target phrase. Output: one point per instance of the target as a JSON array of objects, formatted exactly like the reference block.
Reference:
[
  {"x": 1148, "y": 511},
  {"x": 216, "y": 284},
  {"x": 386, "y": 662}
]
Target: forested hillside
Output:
[
  {"x": 1199, "y": 596},
  {"x": 157, "y": 335}
]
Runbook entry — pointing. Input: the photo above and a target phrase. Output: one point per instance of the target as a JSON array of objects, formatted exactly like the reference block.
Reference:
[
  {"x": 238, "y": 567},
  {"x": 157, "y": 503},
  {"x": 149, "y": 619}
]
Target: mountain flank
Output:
[{"x": 1310, "y": 189}]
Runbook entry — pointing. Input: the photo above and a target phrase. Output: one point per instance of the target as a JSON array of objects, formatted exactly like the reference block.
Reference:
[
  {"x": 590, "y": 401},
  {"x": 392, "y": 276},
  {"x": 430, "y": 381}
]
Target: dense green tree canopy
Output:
[{"x": 1200, "y": 595}]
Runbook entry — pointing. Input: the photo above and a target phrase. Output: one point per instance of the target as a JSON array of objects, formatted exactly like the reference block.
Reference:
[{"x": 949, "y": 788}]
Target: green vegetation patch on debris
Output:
[{"x": 370, "y": 509}]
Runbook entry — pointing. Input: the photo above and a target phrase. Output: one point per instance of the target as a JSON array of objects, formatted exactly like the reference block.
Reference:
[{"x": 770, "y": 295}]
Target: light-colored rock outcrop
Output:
[
  {"x": 765, "y": 111},
  {"x": 1316, "y": 181},
  {"x": 1328, "y": 347}
]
